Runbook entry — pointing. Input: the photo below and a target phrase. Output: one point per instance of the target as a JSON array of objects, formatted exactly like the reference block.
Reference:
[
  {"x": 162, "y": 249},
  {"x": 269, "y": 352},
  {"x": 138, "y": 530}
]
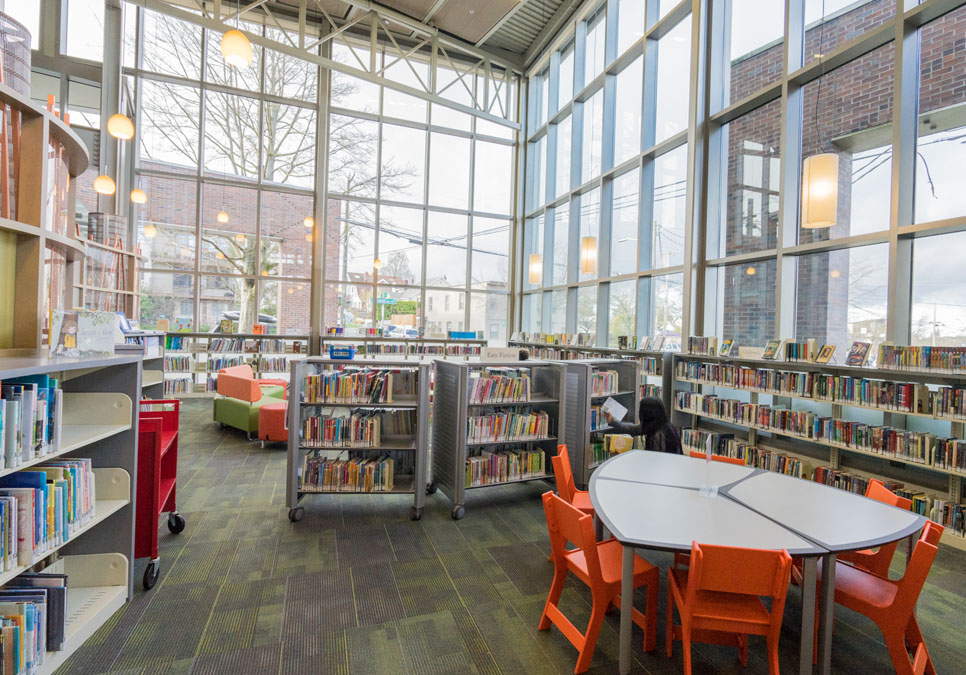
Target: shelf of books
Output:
[
  {"x": 494, "y": 423},
  {"x": 901, "y": 422},
  {"x": 192, "y": 360},
  {"x": 358, "y": 427},
  {"x": 592, "y": 386},
  {"x": 68, "y": 448},
  {"x": 377, "y": 346}
]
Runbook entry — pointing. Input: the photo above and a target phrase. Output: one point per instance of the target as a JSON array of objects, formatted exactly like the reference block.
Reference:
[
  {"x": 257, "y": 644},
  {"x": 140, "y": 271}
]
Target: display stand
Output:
[
  {"x": 408, "y": 450},
  {"x": 452, "y": 407}
]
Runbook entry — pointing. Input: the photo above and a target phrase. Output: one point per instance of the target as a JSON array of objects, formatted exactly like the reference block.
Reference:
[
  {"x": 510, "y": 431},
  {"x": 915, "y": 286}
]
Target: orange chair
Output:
[
  {"x": 878, "y": 561},
  {"x": 564, "y": 476},
  {"x": 273, "y": 423},
  {"x": 719, "y": 599},
  {"x": 599, "y": 566},
  {"x": 891, "y": 604},
  {"x": 718, "y": 458}
]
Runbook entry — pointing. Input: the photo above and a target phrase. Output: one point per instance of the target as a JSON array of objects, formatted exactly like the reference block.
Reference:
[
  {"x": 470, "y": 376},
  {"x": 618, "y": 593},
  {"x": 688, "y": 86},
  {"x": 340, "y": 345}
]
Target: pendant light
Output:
[
  {"x": 150, "y": 231},
  {"x": 377, "y": 264},
  {"x": 820, "y": 172},
  {"x": 120, "y": 127},
  {"x": 588, "y": 255},
  {"x": 139, "y": 196},
  {"x": 536, "y": 268},
  {"x": 240, "y": 238},
  {"x": 104, "y": 185},
  {"x": 222, "y": 217},
  {"x": 308, "y": 221},
  {"x": 235, "y": 47}
]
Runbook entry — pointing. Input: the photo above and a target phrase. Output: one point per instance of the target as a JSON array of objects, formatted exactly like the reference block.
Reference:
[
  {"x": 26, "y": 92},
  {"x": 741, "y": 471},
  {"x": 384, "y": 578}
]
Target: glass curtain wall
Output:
[
  {"x": 874, "y": 270},
  {"x": 607, "y": 174}
]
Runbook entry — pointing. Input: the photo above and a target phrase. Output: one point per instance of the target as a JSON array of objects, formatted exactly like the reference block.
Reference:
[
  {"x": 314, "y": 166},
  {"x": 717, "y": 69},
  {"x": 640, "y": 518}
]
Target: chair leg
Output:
[
  {"x": 896, "y": 644},
  {"x": 556, "y": 588},
  {"x": 686, "y": 646},
  {"x": 743, "y": 650},
  {"x": 650, "y": 634},
  {"x": 590, "y": 637},
  {"x": 915, "y": 640},
  {"x": 668, "y": 627},
  {"x": 772, "y": 654}
]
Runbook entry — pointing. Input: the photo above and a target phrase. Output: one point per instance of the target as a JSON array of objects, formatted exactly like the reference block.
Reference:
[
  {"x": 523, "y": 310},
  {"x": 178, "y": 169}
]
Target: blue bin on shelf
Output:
[{"x": 347, "y": 352}]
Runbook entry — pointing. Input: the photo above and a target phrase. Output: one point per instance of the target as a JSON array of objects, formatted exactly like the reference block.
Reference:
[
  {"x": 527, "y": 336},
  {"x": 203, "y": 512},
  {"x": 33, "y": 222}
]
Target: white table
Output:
[{"x": 650, "y": 500}]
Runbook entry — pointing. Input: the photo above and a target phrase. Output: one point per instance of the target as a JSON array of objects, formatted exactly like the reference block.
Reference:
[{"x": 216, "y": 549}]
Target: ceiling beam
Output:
[
  {"x": 559, "y": 18},
  {"x": 499, "y": 24},
  {"x": 438, "y": 5}
]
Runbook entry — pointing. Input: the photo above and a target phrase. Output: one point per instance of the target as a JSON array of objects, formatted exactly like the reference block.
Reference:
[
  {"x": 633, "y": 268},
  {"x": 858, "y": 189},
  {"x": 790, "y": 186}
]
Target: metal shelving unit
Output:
[
  {"x": 151, "y": 344},
  {"x": 577, "y": 432},
  {"x": 413, "y": 446},
  {"x": 451, "y": 409}
]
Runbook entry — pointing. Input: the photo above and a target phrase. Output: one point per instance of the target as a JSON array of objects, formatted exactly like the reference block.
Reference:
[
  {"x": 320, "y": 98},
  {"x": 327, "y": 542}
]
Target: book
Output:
[
  {"x": 226, "y": 326},
  {"x": 656, "y": 343},
  {"x": 726, "y": 347},
  {"x": 614, "y": 409},
  {"x": 618, "y": 443},
  {"x": 772, "y": 350},
  {"x": 802, "y": 350},
  {"x": 825, "y": 354},
  {"x": 55, "y": 587},
  {"x": 858, "y": 354}
]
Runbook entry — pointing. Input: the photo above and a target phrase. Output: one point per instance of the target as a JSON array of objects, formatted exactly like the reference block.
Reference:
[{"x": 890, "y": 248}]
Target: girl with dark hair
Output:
[{"x": 658, "y": 432}]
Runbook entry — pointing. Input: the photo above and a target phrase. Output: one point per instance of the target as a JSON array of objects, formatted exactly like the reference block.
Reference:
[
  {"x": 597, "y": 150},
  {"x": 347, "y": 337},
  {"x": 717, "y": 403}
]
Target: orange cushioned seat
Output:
[{"x": 272, "y": 425}]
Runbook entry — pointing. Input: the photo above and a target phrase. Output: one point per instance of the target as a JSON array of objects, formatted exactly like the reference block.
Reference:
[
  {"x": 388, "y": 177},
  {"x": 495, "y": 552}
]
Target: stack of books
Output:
[{"x": 31, "y": 409}]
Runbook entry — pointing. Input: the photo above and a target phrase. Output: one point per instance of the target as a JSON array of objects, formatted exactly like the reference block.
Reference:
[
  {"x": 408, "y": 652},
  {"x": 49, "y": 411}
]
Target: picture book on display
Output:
[
  {"x": 727, "y": 346},
  {"x": 772, "y": 350},
  {"x": 859, "y": 354},
  {"x": 825, "y": 355},
  {"x": 77, "y": 333}
]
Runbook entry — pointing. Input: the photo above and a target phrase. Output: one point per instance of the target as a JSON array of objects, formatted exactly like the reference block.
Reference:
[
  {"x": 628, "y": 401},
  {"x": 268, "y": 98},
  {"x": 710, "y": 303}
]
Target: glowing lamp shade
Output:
[
  {"x": 536, "y": 268},
  {"x": 377, "y": 264},
  {"x": 139, "y": 196},
  {"x": 120, "y": 127},
  {"x": 820, "y": 190},
  {"x": 751, "y": 271},
  {"x": 308, "y": 237},
  {"x": 222, "y": 217},
  {"x": 240, "y": 238},
  {"x": 104, "y": 185},
  {"x": 236, "y": 49},
  {"x": 150, "y": 231},
  {"x": 308, "y": 221},
  {"x": 291, "y": 290},
  {"x": 588, "y": 255}
]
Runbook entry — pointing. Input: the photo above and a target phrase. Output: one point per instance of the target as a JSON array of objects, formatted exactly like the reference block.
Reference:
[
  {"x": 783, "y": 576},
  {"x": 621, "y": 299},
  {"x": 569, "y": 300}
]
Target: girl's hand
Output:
[{"x": 608, "y": 417}]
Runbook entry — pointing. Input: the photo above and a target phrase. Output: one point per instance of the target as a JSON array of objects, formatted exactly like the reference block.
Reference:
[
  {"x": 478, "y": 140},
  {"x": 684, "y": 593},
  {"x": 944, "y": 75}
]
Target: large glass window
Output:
[
  {"x": 592, "y": 137},
  {"x": 630, "y": 23},
  {"x": 755, "y": 49},
  {"x": 565, "y": 84},
  {"x": 623, "y": 306},
  {"x": 594, "y": 45},
  {"x": 561, "y": 244},
  {"x": 85, "y": 29},
  {"x": 938, "y": 311},
  {"x": 589, "y": 246},
  {"x": 625, "y": 212},
  {"x": 673, "y": 72},
  {"x": 745, "y": 295},
  {"x": 562, "y": 168},
  {"x": 669, "y": 205},
  {"x": 627, "y": 123},
  {"x": 587, "y": 310}
]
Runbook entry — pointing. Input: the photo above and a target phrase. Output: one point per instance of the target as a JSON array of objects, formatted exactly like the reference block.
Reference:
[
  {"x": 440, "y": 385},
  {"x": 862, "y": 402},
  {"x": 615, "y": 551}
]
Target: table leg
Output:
[
  {"x": 826, "y": 615},
  {"x": 627, "y": 607},
  {"x": 809, "y": 573}
]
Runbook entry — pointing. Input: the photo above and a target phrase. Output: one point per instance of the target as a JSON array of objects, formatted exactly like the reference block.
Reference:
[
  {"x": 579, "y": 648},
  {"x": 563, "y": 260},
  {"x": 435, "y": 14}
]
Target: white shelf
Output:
[
  {"x": 149, "y": 378},
  {"x": 73, "y": 437}
]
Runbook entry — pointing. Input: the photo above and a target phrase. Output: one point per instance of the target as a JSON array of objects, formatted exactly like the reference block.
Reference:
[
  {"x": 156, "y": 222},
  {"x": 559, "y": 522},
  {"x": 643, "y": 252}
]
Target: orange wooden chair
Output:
[
  {"x": 718, "y": 458},
  {"x": 878, "y": 561},
  {"x": 597, "y": 564},
  {"x": 566, "y": 489},
  {"x": 891, "y": 604},
  {"x": 719, "y": 599}
]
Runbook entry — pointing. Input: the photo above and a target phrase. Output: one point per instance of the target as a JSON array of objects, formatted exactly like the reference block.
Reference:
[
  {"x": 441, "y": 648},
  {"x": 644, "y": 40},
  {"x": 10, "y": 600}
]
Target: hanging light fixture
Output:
[
  {"x": 240, "y": 238},
  {"x": 222, "y": 217},
  {"x": 219, "y": 255},
  {"x": 536, "y": 268},
  {"x": 308, "y": 221},
  {"x": 751, "y": 271},
  {"x": 264, "y": 273},
  {"x": 120, "y": 127},
  {"x": 377, "y": 264},
  {"x": 236, "y": 49},
  {"x": 291, "y": 290},
  {"x": 820, "y": 190},
  {"x": 104, "y": 185},
  {"x": 588, "y": 255},
  {"x": 150, "y": 231},
  {"x": 308, "y": 237},
  {"x": 139, "y": 196}
]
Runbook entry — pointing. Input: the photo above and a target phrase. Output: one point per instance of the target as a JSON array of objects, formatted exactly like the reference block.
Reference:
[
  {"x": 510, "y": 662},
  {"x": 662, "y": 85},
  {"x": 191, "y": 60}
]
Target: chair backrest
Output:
[
  {"x": 718, "y": 458},
  {"x": 568, "y": 524},
  {"x": 564, "y": 475},
  {"x": 879, "y": 492},
  {"x": 746, "y": 571},
  {"x": 239, "y": 382},
  {"x": 918, "y": 568}
]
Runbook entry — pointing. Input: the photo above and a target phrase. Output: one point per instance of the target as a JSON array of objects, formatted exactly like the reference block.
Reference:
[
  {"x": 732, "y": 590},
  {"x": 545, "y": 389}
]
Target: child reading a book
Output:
[{"x": 658, "y": 432}]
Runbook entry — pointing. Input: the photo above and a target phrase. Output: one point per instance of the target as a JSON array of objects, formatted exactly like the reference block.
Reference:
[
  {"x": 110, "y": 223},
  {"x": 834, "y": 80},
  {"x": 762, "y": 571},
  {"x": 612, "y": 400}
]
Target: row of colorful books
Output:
[
  {"x": 177, "y": 385},
  {"x": 780, "y": 382},
  {"x": 358, "y": 385},
  {"x": 42, "y": 507},
  {"x": 651, "y": 390},
  {"x": 922, "y": 358},
  {"x": 272, "y": 364},
  {"x": 33, "y": 621},
  {"x": 177, "y": 364},
  {"x": 358, "y": 474},
  {"x": 504, "y": 427},
  {"x": 499, "y": 385},
  {"x": 216, "y": 363},
  {"x": 175, "y": 343},
  {"x": 31, "y": 412},
  {"x": 502, "y": 466},
  {"x": 361, "y": 429},
  {"x": 604, "y": 382},
  {"x": 650, "y": 365},
  {"x": 703, "y": 346}
]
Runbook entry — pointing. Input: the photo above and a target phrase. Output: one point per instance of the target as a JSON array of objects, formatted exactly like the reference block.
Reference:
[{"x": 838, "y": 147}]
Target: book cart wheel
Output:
[
  {"x": 458, "y": 512},
  {"x": 151, "y": 575},
  {"x": 431, "y": 489},
  {"x": 414, "y": 513},
  {"x": 175, "y": 523},
  {"x": 295, "y": 515}
]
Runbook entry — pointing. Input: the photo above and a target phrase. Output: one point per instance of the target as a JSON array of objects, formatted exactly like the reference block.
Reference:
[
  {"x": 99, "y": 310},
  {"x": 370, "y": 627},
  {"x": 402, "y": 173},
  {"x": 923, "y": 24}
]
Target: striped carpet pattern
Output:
[{"x": 356, "y": 587}]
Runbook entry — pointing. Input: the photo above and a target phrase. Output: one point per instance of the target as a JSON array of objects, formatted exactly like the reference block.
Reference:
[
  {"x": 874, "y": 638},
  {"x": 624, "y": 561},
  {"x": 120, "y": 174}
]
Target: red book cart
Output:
[{"x": 157, "y": 480}]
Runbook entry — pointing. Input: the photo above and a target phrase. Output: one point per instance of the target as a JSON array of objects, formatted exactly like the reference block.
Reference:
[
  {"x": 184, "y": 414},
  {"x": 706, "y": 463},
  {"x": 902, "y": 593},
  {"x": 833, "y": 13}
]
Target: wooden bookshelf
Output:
[
  {"x": 408, "y": 451},
  {"x": 452, "y": 407},
  {"x": 98, "y": 555},
  {"x": 937, "y": 482}
]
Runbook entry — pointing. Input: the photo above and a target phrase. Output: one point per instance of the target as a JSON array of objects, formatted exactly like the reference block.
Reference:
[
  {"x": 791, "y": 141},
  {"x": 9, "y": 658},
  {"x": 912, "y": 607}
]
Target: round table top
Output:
[{"x": 651, "y": 500}]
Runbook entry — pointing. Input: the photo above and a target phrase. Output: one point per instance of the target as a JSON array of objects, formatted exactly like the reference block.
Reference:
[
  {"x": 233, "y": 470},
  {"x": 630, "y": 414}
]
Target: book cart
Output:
[
  {"x": 193, "y": 359},
  {"x": 453, "y": 449},
  {"x": 785, "y": 391},
  {"x": 408, "y": 451},
  {"x": 98, "y": 422},
  {"x": 584, "y": 430},
  {"x": 377, "y": 346},
  {"x": 157, "y": 480}
]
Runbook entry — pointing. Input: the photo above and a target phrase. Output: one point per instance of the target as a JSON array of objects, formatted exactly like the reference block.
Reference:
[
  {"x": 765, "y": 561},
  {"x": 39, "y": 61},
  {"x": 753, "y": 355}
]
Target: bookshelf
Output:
[
  {"x": 461, "y": 447},
  {"x": 583, "y": 429},
  {"x": 150, "y": 344},
  {"x": 98, "y": 422},
  {"x": 374, "y": 346},
  {"x": 192, "y": 360},
  {"x": 792, "y": 414},
  {"x": 404, "y": 418}
]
